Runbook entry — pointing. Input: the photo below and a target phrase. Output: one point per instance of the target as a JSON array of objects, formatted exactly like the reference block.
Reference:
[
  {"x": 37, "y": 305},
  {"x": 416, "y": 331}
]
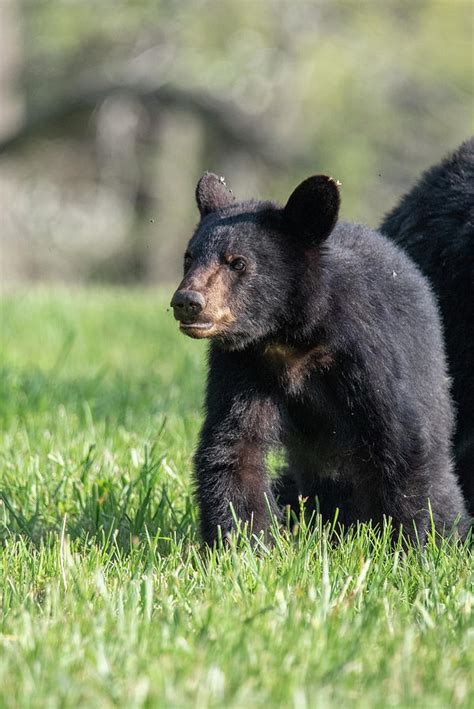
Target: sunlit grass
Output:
[{"x": 108, "y": 597}]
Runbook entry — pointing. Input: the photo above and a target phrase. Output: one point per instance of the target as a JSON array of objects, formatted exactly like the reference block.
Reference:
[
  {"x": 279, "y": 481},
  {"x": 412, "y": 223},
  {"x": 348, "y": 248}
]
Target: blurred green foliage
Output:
[{"x": 370, "y": 92}]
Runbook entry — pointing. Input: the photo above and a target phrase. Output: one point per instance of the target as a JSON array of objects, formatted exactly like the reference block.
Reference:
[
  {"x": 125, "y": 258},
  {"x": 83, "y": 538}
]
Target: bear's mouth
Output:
[
  {"x": 209, "y": 326},
  {"x": 195, "y": 329}
]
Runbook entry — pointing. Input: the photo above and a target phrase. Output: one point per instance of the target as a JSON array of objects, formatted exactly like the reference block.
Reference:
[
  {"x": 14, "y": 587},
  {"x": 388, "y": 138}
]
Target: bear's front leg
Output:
[
  {"x": 241, "y": 424},
  {"x": 230, "y": 473}
]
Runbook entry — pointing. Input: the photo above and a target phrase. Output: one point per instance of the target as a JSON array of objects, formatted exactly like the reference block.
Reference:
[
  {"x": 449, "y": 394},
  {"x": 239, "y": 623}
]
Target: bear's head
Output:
[{"x": 244, "y": 264}]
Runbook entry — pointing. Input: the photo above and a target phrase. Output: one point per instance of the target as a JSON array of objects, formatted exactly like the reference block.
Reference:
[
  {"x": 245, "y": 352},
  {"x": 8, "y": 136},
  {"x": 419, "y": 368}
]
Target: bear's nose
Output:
[{"x": 187, "y": 304}]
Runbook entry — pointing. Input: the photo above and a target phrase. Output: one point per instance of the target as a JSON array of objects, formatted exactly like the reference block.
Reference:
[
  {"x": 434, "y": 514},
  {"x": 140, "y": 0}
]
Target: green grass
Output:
[{"x": 107, "y": 596}]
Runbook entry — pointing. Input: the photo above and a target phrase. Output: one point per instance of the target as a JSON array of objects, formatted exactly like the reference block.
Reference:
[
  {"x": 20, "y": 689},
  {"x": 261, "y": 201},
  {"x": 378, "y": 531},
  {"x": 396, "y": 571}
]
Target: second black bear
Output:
[
  {"x": 325, "y": 338},
  {"x": 434, "y": 223}
]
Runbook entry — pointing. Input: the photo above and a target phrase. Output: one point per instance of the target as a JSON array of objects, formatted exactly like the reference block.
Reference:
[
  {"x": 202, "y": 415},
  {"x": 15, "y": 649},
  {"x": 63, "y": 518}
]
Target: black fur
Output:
[
  {"x": 434, "y": 223},
  {"x": 332, "y": 348}
]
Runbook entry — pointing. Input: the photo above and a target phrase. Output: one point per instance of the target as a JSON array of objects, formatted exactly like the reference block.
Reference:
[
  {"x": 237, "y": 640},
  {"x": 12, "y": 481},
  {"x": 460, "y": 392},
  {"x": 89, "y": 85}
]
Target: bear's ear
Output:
[
  {"x": 312, "y": 209},
  {"x": 212, "y": 193}
]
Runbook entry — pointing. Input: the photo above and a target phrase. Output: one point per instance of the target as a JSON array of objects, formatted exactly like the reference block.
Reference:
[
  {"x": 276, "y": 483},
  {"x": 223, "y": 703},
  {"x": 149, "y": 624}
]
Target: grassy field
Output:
[{"x": 107, "y": 596}]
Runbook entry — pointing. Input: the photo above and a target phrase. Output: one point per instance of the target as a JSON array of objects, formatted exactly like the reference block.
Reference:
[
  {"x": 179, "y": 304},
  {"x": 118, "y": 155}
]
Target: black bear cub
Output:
[
  {"x": 434, "y": 223},
  {"x": 325, "y": 339}
]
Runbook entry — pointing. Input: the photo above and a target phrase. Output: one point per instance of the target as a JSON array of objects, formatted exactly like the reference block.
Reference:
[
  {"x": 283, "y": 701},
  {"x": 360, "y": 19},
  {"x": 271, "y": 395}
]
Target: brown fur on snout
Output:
[{"x": 214, "y": 283}]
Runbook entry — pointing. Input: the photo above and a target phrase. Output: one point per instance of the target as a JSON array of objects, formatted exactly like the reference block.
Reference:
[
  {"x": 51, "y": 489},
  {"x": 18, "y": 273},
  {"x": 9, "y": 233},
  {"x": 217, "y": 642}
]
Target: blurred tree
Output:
[{"x": 10, "y": 69}]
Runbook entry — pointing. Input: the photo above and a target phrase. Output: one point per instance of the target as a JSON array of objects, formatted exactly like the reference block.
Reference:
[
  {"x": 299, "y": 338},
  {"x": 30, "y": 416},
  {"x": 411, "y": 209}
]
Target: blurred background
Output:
[{"x": 110, "y": 110}]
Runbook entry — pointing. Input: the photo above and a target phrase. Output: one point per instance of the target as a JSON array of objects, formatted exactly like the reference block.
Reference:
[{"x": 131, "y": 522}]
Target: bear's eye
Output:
[
  {"x": 187, "y": 262},
  {"x": 238, "y": 264}
]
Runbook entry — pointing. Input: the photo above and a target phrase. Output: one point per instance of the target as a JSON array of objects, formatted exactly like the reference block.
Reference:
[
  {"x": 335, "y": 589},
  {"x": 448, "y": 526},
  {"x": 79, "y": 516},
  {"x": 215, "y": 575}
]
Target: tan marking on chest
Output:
[{"x": 295, "y": 364}]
